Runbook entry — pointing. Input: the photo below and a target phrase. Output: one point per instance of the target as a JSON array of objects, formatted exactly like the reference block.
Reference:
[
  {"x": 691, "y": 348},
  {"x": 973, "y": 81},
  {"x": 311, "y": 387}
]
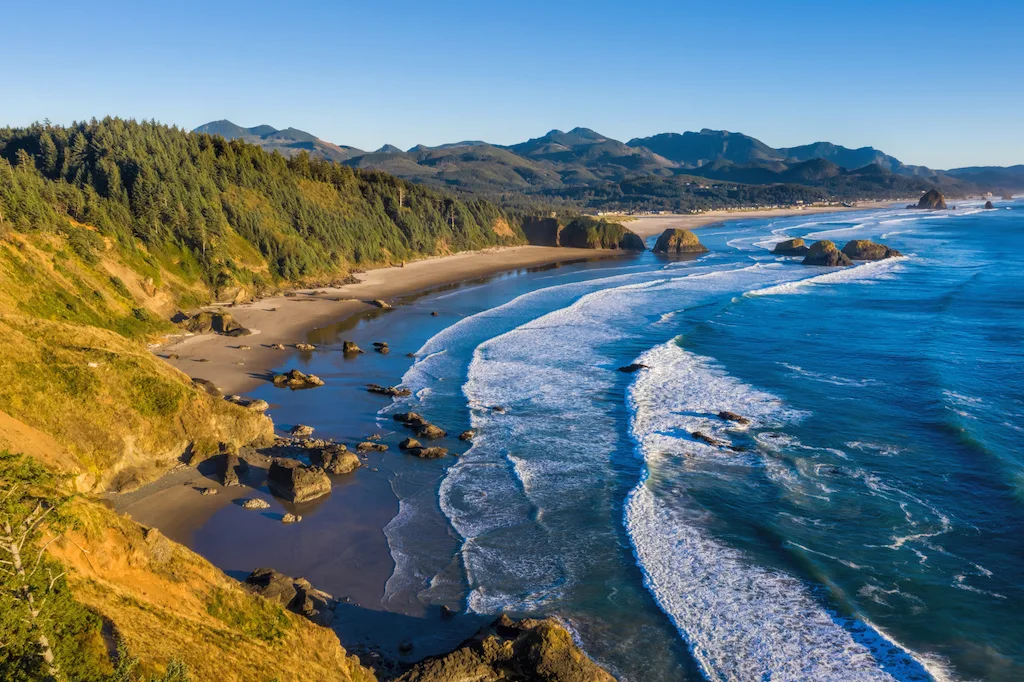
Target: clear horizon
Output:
[{"x": 919, "y": 82}]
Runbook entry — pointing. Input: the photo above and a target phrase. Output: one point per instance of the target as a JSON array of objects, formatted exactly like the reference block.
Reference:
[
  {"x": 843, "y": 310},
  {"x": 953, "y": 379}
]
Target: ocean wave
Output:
[
  {"x": 741, "y": 621},
  {"x": 858, "y": 273},
  {"x": 828, "y": 234},
  {"x": 827, "y": 378}
]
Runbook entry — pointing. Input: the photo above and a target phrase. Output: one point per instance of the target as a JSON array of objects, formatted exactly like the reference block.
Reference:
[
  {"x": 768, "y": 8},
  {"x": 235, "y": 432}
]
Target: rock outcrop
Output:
[
  {"x": 350, "y": 348},
  {"x": 989, "y": 206},
  {"x": 428, "y": 453},
  {"x": 431, "y": 432},
  {"x": 932, "y": 200},
  {"x": 301, "y": 431},
  {"x": 295, "y": 594},
  {"x": 585, "y": 232},
  {"x": 865, "y": 249},
  {"x": 825, "y": 253},
  {"x": 535, "y": 650},
  {"x": 222, "y": 323},
  {"x": 393, "y": 391},
  {"x": 409, "y": 444},
  {"x": 336, "y": 459},
  {"x": 296, "y": 380},
  {"x": 791, "y": 247},
  {"x": 733, "y": 417},
  {"x": 292, "y": 480},
  {"x": 676, "y": 241}
]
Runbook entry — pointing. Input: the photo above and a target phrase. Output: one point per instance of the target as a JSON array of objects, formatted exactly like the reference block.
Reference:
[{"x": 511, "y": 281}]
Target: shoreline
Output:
[
  {"x": 288, "y": 318},
  {"x": 650, "y": 225}
]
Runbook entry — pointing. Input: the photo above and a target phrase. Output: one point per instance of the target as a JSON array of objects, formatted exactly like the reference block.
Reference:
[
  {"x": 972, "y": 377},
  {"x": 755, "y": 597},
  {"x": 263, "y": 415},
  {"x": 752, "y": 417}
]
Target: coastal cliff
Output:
[{"x": 97, "y": 253}]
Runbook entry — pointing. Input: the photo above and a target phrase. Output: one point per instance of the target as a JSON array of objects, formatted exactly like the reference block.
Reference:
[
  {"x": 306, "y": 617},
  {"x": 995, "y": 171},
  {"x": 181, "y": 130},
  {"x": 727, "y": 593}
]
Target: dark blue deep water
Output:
[{"x": 868, "y": 524}]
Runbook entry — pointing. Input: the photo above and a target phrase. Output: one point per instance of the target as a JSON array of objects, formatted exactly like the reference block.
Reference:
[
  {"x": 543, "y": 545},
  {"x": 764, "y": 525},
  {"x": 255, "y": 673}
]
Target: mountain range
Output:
[{"x": 581, "y": 157}]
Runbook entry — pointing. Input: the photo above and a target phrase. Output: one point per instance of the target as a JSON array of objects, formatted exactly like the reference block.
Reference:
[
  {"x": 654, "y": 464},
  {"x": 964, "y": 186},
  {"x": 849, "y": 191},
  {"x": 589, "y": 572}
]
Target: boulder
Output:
[
  {"x": 222, "y": 323},
  {"x": 733, "y": 417},
  {"x": 290, "y": 518},
  {"x": 541, "y": 650},
  {"x": 932, "y": 200},
  {"x": 277, "y": 346},
  {"x": 431, "y": 432},
  {"x": 207, "y": 386},
  {"x": 306, "y": 347},
  {"x": 791, "y": 247},
  {"x": 428, "y": 453},
  {"x": 232, "y": 467},
  {"x": 256, "y": 503},
  {"x": 366, "y": 446},
  {"x": 826, "y": 253},
  {"x": 674, "y": 240},
  {"x": 410, "y": 419},
  {"x": 631, "y": 241},
  {"x": 1007, "y": 197},
  {"x": 292, "y": 480},
  {"x": 209, "y": 491},
  {"x": 636, "y": 366},
  {"x": 468, "y": 435},
  {"x": 336, "y": 459},
  {"x": 350, "y": 348},
  {"x": 989, "y": 206},
  {"x": 258, "y": 405},
  {"x": 865, "y": 249},
  {"x": 296, "y": 380},
  {"x": 301, "y": 431},
  {"x": 393, "y": 391},
  {"x": 295, "y": 594},
  {"x": 383, "y": 305},
  {"x": 409, "y": 444}
]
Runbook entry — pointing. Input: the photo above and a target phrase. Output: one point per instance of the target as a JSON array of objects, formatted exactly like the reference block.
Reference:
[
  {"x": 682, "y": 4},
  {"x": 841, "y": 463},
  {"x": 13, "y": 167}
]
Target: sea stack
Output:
[
  {"x": 674, "y": 240},
  {"x": 932, "y": 200},
  {"x": 989, "y": 206},
  {"x": 825, "y": 253},
  {"x": 791, "y": 247},
  {"x": 865, "y": 249}
]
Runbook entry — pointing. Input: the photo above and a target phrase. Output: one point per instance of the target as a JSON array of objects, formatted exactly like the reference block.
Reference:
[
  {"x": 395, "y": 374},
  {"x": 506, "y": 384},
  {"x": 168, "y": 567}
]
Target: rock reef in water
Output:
[
  {"x": 674, "y": 240},
  {"x": 791, "y": 247},
  {"x": 540, "y": 650},
  {"x": 825, "y": 253},
  {"x": 989, "y": 206},
  {"x": 865, "y": 249}
]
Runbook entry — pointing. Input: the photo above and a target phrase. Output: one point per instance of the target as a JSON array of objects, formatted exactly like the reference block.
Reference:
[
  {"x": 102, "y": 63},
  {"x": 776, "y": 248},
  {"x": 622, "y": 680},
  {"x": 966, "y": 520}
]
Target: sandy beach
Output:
[
  {"x": 649, "y": 225},
  {"x": 287, "y": 319}
]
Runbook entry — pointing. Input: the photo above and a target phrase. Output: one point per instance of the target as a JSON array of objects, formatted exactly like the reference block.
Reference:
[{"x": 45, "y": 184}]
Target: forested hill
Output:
[{"x": 227, "y": 212}]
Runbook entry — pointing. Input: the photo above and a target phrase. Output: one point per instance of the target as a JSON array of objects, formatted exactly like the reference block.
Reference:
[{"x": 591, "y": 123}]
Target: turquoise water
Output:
[{"x": 867, "y": 524}]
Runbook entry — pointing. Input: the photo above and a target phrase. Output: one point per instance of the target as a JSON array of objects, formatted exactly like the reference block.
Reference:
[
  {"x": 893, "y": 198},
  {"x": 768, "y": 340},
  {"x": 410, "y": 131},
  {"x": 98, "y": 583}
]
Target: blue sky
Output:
[{"x": 934, "y": 83}]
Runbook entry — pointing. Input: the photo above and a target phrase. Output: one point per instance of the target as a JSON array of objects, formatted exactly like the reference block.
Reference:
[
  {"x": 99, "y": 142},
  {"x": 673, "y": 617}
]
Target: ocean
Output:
[{"x": 866, "y": 524}]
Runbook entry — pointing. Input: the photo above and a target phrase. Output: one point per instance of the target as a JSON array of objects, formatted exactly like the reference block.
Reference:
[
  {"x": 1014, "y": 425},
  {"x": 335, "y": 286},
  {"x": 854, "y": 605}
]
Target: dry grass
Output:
[{"x": 166, "y": 602}]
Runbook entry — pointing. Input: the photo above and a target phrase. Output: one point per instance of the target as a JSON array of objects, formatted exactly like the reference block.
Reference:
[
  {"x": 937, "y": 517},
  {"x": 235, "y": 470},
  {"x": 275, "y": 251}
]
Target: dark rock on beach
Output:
[
  {"x": 393, "y": 391},
  {"x": 296, "y": 380},
  {"x": 292, "y": 480},
  {"x": 791, "y": 247},
  {"x": 336, "y": 459},
  {"x": 428, "y": 453},
  {"x": 207, "y": 386},
  {"x": 674, "y": 240},
  {"x": 825, "y": 253},
  {"x": 350, "y": 348},
  {"x": 865, "y": 249},
  {"x": 431, "y": 432}
]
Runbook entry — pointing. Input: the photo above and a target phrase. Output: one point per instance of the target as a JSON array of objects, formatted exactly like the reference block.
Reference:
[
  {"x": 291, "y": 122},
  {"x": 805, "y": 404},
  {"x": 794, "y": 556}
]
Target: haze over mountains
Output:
[{"x": 582, "y": 157}]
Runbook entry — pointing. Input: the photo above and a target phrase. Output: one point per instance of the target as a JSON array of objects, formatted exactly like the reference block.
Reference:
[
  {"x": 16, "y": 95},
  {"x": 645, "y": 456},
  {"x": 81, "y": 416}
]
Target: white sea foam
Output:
[
  {"x": 864, "y": 272},
  {"x": 741, "y": 621},
  {"x": 829, "y": 234}
]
